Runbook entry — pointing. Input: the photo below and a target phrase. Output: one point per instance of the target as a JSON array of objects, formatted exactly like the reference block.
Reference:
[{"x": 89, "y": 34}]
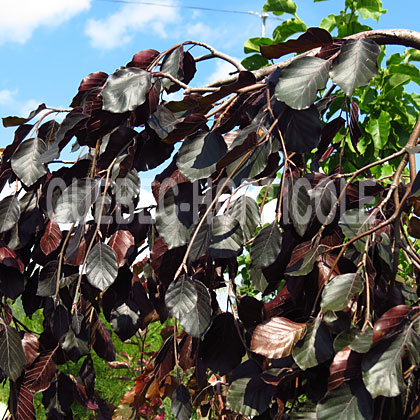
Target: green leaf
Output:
[
  {"x": 69, "y": 123},
  {"x": 393, "y": 85},
  {"x": 199, "y": 154},
  {"x": 362, "y": 341},
  {"x": 379, "y": 128},
  {"x": 354, "y": 222},
  {"x": 181, "y": 297},
  {"x": 74, "y": 203},
  {"x": 278, "y": 7},
  {"x": 288, "y": 28},
  {"x": 304, "y": 265},
  {"x": 301, "y": 129},
  {"x": 249, "y": 395},
  {"x": 246, "y": 211},
  {"x": 235, "y": 398},
  {"x": 329, "y": 23},
  {"x": 189, "y": 301},
  {"x": 126, "y": 89},
  {"x": 356, "y": 64},
  {"x": 307, "y": 410},
  {"x": 350, "y": 401},
  {"x": 308, "y": 204},
  {"x": 198, "y": 320},
  {"x": 12, "y": 357},
  {"x": 14, "y": 121},
  {"x": 254, "y": 62},
  {"x": 344, "y": 338},
  {"x": 201, "y": 243},
  {"x": 407, "y": 69},
  {"x": 226, "y": 237},
  {"x": 415, "y": 188},
  {"x": 172, "y": 64},
  {"x": 266, "y": 246},
  {"x": 181, "y": 405},
  {"x": 253, "y": 165},
  {"x": 413, "y": 54},
  {"x": 348, "y": 25},
  {"x": 370, "y": 9},
  {"x": 382, "y": 367},
  {"x": 300, "y": 209},
  {"x": 101, "y": 266},
  {"x": 25, "y": 163},
  {"x": 316, "y": 346},
  {"x": 9, "y": 213},
  {"x": 252, "y": 45},
  {"x": 47, "y": 281},
  {"x": 74, "y": 346},
  {"x": 127, "y": 189},
  {"x": 299, "y": 83},
  {"x": 257, "y": 279},
  {"x": 273, "y": 191},
  {"x": 169, "y": 225},
  {"x": 125, "y": 319},
  {"x": 413, "y": 346},
  {"x": 340, "y": 290}
]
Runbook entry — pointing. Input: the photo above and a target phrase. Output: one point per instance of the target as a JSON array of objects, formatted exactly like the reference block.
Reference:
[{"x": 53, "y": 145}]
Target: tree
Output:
[{"x": 323, "y": 316}]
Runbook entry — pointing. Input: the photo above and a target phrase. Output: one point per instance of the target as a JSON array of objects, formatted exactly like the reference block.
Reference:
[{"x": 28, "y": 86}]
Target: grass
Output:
[{"x": 111, "y": 384}]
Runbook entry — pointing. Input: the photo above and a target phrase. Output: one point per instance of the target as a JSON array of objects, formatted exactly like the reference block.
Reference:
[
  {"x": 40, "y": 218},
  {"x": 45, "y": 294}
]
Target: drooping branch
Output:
[
  {"x": 403, "y": 37},
  {"x": 215, "y": 53}
]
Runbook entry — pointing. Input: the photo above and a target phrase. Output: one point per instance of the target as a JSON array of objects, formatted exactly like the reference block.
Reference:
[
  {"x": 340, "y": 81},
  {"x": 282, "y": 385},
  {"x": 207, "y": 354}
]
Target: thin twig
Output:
[
  {"x": 286, "y": 159},
  {"x": 60, "y": 263},
  {"x": 171, "y": 78},
  {"x": 92, "y": 241},
  {"x": 367, "y": 287},
  {"x": 218, "y": 54},
  {"x": 183, "y": 265},
  {"x": 214, "y": 52},
  {"x": 95, "y": 156},
  {"x": 228, "y": 103},
  {"x": 97, "y": 229}
]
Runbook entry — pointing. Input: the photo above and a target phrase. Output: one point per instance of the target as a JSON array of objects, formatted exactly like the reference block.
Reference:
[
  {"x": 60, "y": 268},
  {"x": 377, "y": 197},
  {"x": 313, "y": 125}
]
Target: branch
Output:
[
  {"x": 171, "y": 78},
  {"x": 403, "y": 37},
  {"x": 218, "y": 54}
]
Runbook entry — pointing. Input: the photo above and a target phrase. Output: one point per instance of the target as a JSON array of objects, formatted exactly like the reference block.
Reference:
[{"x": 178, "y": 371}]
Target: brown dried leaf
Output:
[
  {"x": 121, "y": 241},
  {"x": 277, "y": 337},
  {"x": 9, "y": 258},
  {"x": 414, "y": 227},
  {"x": 30, "y": 346},
  {"x": 51, "y": 238},
  {"x": 312, "y": 38},
  {"x": 346, "y": 365},
  {"x": 25, "y": 405},
  {"x": 38, "y": 377},
  {"x": 80, "y": 256},
  {"x": 274, "y": 307},
  {"x": 389, "y": 322}
]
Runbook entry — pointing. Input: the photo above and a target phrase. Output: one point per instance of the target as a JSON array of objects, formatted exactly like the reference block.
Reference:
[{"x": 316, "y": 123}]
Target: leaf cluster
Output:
[{"x": 329, "y": 326}]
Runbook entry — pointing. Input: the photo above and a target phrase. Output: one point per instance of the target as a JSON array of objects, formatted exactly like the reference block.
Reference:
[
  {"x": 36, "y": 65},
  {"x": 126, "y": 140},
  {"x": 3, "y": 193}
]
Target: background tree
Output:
[{"x": 323, "y": 315}]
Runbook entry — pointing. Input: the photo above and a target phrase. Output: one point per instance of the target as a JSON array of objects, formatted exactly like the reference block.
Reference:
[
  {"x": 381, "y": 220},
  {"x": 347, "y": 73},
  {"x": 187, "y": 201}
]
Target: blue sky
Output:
[{"x": 48, "y": 46}]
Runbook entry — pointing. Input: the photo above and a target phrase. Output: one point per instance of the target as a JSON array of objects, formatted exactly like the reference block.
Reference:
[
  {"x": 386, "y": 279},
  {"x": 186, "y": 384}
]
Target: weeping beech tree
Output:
[{"x": 323, "y": 319}]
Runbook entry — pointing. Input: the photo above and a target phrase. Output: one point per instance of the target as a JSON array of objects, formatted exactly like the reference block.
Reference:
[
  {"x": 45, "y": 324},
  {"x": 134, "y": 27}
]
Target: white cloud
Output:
[
  {"x": 120, "y": 27},
  {"x": 199, "y": 32},
  {"x": 223, "y": 68},
  {"x": 28, "y": 106},
  {"x": 7, "y": 97},
  {"x": 19, "y": 18}
]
